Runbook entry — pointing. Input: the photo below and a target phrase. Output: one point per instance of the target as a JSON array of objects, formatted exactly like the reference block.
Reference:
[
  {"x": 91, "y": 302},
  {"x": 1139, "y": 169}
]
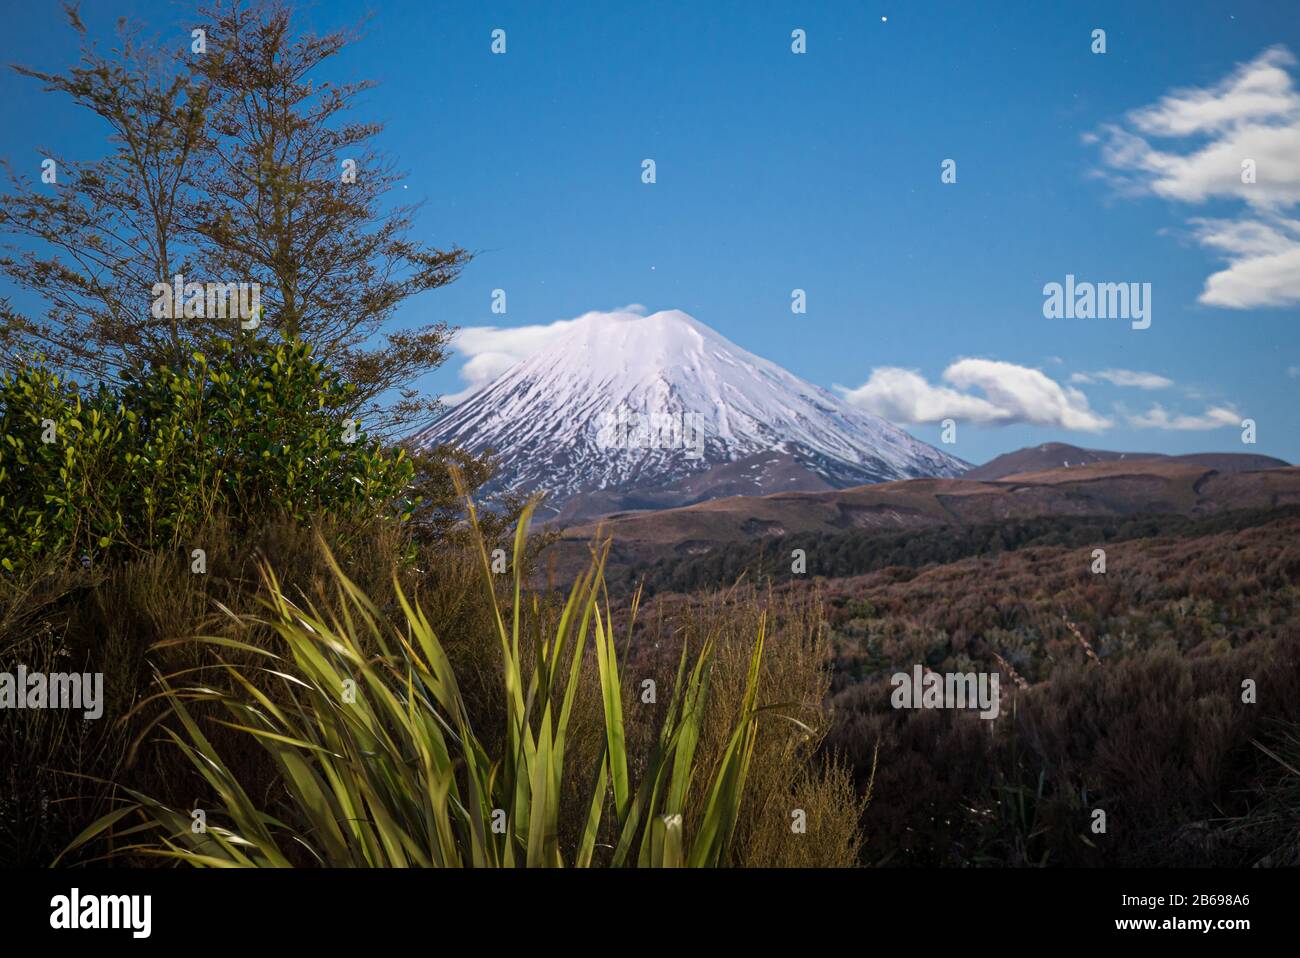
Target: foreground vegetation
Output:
[
  {"x": 461, "y": 709},
  {"x": 380, "y": 763}
]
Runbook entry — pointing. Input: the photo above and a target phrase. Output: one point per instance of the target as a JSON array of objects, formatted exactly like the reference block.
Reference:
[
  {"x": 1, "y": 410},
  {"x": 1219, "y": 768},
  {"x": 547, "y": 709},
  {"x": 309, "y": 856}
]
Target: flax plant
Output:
[{"x": 381, "y": 765}]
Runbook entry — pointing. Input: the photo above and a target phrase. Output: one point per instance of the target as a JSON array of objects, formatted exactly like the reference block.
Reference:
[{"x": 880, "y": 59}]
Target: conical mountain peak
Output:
[{"x": 633, "y": 402}]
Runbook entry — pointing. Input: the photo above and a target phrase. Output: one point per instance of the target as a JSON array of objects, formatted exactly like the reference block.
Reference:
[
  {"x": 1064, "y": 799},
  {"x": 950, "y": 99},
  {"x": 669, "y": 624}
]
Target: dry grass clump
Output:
[{"x": 124, "y": 620}]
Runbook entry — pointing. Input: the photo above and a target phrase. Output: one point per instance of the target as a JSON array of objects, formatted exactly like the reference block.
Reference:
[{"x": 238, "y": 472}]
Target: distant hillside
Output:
[
  {"x": 1116, "y": 488},
  {"x": 837, "y": 555},
  {"x": 756, "y": 475},
  {"x": 1060, "y": 455}
]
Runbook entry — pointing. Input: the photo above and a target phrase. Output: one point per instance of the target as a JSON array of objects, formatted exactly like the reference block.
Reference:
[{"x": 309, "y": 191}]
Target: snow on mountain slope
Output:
[{"x": 636, "y": 402}]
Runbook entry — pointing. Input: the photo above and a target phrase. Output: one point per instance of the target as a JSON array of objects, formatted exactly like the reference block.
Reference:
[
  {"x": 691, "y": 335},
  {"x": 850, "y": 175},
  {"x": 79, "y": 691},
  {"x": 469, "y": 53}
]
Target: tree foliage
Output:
[{"x": 226, "y": 165}]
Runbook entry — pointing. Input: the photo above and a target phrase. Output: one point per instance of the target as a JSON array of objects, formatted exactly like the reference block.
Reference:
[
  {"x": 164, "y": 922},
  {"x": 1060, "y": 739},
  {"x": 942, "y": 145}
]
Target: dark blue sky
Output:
[{"x": 821, "y": 171}]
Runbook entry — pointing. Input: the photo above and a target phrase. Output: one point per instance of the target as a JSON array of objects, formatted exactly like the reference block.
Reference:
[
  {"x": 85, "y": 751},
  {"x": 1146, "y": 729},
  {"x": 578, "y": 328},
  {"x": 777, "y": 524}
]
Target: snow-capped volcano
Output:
[{"x": 623, "y": 405}]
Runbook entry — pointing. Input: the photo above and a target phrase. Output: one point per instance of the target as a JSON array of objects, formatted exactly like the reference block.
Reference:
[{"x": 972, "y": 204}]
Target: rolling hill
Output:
[
  {"x": 1116, "y": 487},
  {"x": 1060, "y": 455}
]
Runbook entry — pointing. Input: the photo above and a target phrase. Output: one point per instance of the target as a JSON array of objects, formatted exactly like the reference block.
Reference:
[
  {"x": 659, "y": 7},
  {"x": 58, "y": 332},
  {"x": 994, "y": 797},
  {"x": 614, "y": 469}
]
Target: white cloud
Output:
[
  {"x": 1253, "y": 115},
  {"x": 1011, "y": 394},
  {"x": 1263, "y": 258},
  {"x": 1124, "y": 377},
  {"x": 491, "y": 350},
  {"x": 1157, "y": 417},
  {"x": 1293, "y": 372},
  {"x": 903, "y": 395},
  {"x": 1256, "y": 92}
]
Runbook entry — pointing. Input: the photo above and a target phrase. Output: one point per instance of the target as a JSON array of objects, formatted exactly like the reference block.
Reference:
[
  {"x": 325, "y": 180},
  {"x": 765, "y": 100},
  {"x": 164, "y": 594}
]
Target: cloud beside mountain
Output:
[
  {"x": 491, "y": 350},
  {"x": 1007, "y": 394}
]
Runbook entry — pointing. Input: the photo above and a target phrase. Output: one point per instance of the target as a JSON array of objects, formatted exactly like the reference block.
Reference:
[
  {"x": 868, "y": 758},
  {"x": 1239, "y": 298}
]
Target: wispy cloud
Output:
[
  {"x": 491, "y": 350},
  {"x": 1254, "y": 113},
  {"x": 1124, "y": 377},
  {"x": 1263, "y": 258},
  {"x": 1251, "y": 118},
  {"x": 1157, "y": 417},
  {"x": 982, "y": 391}
]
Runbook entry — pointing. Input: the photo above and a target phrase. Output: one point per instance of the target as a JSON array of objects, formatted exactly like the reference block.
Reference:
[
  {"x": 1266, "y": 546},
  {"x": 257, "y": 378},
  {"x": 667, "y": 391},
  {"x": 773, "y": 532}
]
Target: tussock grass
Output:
[{"x": 382, "y": 758}]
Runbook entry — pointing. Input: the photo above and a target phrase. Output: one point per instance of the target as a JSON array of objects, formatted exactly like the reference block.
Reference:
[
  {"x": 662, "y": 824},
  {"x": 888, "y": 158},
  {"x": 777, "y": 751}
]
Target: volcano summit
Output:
[{"x": 625, "y": 411}]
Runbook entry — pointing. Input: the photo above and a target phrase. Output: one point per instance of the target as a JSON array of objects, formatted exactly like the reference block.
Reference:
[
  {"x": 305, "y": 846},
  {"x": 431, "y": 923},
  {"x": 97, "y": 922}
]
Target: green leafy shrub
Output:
[
  {"x": 256, "y": 430},
  {"x": 58, "y": 457}
]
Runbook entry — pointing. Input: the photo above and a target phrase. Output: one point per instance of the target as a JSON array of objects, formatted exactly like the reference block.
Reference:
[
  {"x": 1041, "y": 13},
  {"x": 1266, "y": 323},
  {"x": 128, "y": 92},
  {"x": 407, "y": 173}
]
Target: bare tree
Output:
[
  {"x": 106, "y": 230},
  {"x": 234, "y": 162},
  {"x": 294, "y": 199}
]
